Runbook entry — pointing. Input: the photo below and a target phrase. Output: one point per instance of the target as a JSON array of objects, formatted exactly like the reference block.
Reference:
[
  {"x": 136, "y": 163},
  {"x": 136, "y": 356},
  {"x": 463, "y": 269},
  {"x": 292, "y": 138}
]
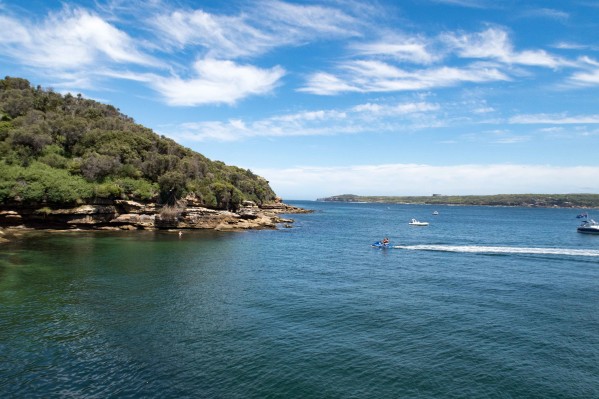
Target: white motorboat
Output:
[
  {"x": 415, "y": 222},
  {"x": 589, "y": 226},
  {"x": 435, "y": 213}
]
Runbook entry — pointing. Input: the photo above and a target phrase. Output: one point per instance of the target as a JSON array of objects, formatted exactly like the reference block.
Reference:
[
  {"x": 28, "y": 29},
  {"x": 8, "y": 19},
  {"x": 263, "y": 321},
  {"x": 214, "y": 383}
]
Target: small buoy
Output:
[{"x": 180, "y": 233}]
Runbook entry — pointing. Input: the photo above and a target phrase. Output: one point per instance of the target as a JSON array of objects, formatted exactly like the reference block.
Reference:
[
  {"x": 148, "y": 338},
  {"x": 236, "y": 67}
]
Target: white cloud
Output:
[
  {"x": 483, "y": 110},
  {"x": 395, "y": 109},
  {"x": 402, "y": 48},
  {"x": 546, "y": 13},
  {"x": 388, "y": 65},
  {"x": 590, "y": 78},
  {"x": 376, "y": 76},
  {"x": 255, "y": 31},
  {"x": 466, "y": 3},
  {"x": 554, "y": 119},
  {"x": 221, "y": 36},
  {"x": 323, "y": 83},
  {"x": 218, "y": 81},
  {"x": 364, "y": 118},
  {"x": 69, "y": 40},
  {"x": 512, "y": 139},
  {"x": 417, "y": 179},
  {"x": 12, "y": 32},
  {"x": 494, "y": 44},
  {"x": 571, "y": 46},
  {"x": 77, "y": 47},
  {"x": 300, "y": 21}
]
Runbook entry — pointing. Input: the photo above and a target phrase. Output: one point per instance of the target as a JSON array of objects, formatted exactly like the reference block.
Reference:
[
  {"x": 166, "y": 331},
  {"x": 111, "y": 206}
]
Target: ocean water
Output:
[{"x": 482, "y": 303}]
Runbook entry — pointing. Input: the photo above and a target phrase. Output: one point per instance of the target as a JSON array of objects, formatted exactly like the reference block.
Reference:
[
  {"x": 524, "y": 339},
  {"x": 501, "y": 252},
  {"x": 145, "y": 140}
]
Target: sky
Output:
[{"x": 328, "y": 97}]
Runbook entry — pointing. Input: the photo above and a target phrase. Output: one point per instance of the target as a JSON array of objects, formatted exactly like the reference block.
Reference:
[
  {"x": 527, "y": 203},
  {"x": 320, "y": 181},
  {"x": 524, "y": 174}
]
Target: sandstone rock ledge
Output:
[{"x": 131, "y": 215}]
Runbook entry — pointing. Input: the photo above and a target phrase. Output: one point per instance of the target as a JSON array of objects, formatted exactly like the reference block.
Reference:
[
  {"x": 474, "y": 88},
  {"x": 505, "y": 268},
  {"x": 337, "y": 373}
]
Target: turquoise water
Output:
[{"x": 483, "y": 303}]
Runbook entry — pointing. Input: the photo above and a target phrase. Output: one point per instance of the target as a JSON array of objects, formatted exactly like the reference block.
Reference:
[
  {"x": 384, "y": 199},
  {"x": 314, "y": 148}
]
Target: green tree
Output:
[
  {"x": 99, "y": 151},
  {"x": 172, "y": 187}
]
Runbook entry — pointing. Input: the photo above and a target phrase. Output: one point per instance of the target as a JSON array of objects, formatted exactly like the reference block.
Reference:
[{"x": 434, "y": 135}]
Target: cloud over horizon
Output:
[{"x": 424, "y": 180}]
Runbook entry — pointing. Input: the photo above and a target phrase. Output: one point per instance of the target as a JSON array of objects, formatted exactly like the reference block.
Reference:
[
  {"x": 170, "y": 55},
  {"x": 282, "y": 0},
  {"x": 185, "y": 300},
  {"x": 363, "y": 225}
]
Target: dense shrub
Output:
[
  {"x": 95, "y": 167},
  {"x": 41, "y": 183},
  {"x": 56, "y": 148}
]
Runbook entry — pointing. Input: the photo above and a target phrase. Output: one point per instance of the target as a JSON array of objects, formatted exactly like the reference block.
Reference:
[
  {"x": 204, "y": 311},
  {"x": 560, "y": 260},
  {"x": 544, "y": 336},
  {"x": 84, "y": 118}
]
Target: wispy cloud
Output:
[
  {"x": 494, "y": 44},
  {"x": 411, "y": 63},
  {"x": 375, "y": 76},
  {"x": 184, "y": 53},
  {"x": 395, "y": 109},
  {"x": 512, "y": 139},
  {"x": 257, "y": 30},
  {"x": 421, "y": 179},
  {"x": 219, "y": 36},
  {"x": 197, "y": 63},
  {"x": 466, "y": 3},
  {"x": 307, "y": 21},
  {"x": 565, "y": 45},
  {"x": 554, "y": 119},
  {"x": 363, "y": 118},
  {"x": 546, "y": 13},
  {"x": 402, "y": 48},
  {"x": 586, "y": 78},
  {"x": 69, "y": 40}
]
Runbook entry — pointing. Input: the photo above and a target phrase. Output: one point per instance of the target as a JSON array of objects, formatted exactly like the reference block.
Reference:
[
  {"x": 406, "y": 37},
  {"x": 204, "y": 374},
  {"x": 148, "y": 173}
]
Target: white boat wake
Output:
[{"x": 501, "y": 250}]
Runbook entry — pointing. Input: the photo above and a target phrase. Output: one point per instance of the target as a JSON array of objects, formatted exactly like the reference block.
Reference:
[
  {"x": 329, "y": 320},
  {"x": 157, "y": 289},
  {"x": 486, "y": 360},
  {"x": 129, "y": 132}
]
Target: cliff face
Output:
[{"x": 131, "y": 215}]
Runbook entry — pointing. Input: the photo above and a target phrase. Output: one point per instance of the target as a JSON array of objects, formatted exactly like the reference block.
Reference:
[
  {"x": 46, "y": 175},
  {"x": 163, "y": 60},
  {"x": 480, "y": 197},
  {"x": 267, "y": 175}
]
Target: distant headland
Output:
[{"x": 525, "y": 200}]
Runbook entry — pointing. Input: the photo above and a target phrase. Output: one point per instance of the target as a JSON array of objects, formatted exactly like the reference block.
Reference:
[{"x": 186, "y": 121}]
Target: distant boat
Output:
[
  {"x": 589, "y": 227},
  {"x": 435, "y": 213},
  {"x": 582, "y": 215},
  {"x": 415, "y": 222}
]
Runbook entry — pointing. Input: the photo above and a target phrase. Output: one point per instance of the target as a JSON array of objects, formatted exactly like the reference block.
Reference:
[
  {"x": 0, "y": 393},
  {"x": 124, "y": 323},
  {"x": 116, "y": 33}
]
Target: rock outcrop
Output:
[{"x": 131, "y": 215}]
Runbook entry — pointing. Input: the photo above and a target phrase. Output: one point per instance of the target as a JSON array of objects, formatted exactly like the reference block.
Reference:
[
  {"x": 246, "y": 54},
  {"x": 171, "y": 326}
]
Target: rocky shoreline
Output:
[{"x": 131, "y": 215}]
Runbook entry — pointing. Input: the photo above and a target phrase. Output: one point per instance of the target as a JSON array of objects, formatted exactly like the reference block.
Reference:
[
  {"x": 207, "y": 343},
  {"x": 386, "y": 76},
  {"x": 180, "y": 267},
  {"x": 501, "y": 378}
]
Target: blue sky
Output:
[{"x": 408, "y": 97}]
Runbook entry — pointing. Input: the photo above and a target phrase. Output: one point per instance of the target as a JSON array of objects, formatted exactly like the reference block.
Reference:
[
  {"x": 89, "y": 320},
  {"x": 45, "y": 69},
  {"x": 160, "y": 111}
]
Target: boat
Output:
[
  {"x": 589, "y": 226},
  {"x": 435, "y": 213},
  {"x": 415, "y": 222}
]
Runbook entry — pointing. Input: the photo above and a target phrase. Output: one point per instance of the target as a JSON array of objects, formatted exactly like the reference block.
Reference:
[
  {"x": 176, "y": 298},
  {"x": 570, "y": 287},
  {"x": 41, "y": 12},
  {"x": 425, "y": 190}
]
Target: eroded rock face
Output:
[
  {"x": 142, "y": 221},
  {"x": 131, "y": 206},
  {"x": 131, "y": 215}
]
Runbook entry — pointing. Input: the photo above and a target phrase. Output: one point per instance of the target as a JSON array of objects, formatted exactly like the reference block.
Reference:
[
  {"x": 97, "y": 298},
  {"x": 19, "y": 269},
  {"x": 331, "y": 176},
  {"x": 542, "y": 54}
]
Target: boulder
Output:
[
  {"x": 137, "y": 220},
  {"x": 193, "y": 200},
  {"x": 248, "y": 212},
  {"x": 85, "y": 210},
  {"x": 130, "y": 206}
]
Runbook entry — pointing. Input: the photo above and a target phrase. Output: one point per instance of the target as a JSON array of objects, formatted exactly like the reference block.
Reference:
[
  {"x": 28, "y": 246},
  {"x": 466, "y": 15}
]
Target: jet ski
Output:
[{"x": 380, "y": 244}]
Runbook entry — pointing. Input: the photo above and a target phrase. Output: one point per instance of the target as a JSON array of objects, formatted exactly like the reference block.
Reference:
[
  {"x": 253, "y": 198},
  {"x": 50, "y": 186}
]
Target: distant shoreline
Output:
[{"x": 506, "y": 200}]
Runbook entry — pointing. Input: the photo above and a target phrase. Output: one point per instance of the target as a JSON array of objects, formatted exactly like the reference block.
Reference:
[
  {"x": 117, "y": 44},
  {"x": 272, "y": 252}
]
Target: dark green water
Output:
[{"x": 483, "y": 303}]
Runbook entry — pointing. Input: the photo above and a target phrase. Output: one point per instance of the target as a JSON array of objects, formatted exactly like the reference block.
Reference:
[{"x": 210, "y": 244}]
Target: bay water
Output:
[{"x": 485, "y": 302}]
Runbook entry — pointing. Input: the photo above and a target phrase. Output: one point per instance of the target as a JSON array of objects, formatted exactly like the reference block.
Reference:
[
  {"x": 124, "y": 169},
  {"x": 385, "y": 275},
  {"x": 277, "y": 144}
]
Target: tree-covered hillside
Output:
[{"x": 65, "y": 149}]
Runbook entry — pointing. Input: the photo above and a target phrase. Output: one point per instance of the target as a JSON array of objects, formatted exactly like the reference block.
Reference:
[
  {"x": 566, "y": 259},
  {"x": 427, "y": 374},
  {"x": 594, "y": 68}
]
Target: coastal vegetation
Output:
[
  {"x": 539, "y": 200},
  {"x": 65, "y": 149}
]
